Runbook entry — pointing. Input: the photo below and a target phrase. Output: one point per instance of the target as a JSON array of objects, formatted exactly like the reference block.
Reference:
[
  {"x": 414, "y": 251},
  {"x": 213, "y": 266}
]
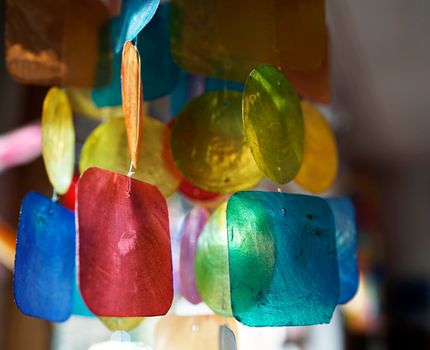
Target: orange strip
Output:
[{"x": 7, "y": 246}]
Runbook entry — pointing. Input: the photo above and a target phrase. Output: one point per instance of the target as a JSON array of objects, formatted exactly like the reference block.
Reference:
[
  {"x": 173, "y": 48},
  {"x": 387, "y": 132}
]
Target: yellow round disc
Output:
[
  {"x": 82, "y": 103},
  {"x": 191, "y": 332},
  {"x": 121, "y": 323},
  {"x": 320, "y": 159},
  {"x": 107, "y": 148},
  {"x": 209, "y": 147},
  {"x": 58, "y": 139}
]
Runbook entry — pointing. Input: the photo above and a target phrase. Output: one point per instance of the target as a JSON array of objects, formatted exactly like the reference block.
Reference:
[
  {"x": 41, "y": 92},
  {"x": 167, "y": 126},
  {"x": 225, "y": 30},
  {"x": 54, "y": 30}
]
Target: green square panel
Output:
[{"x": 282, "y": 256}]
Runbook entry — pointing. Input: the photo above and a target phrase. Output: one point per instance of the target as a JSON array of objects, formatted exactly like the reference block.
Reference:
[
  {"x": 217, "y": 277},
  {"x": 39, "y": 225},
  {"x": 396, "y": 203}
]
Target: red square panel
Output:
[{"x": 125, "y": 261}]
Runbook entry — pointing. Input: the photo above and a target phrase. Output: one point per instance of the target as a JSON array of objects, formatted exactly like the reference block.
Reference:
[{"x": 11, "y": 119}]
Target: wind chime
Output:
[{"x": 240, "y": 77}]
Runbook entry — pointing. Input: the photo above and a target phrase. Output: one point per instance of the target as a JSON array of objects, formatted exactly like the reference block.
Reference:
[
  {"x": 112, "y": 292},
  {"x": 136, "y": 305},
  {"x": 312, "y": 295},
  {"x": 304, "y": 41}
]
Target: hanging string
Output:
[
  {"x": 130, "y": 173},
  {"x": 131, "y": 170},
  {"x": 54, "y": 197},
  {"x": 120, "y": 336}
]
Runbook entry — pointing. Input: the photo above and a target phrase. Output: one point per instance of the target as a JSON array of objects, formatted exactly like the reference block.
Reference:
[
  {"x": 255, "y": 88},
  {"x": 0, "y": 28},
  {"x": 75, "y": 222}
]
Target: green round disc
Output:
[
  {"x": 273, "y": 123},
  {"x": 211, "y": 264}
]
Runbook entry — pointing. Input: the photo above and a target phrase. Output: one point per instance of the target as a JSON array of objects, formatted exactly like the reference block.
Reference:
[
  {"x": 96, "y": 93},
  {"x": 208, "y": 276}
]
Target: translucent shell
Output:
[
  {"x": 45, "y": 259},
  {"x": 187, "y": 188},
  {"x": 82, "y": 103},
  {"x": 282, "y": 259},
  {"x": 227, "y": 339},
  {"x": 135, "y": 14},
  {"x": 195, "y": 193},
  {"x": 211, "y": 264},
  {"x": 320, "y": 160},
  {"x": 57, "y": 42},
  {"x": 107, "y": 148},
  {"x": 226, "y": 39},
  {"x": 159, "y": 76},
  {"x": 346, "y": 244},
  {"x": 68, "y": 199},
  {"x": 132, "y": 99},
  {"x": 58, "y": 139},
  {"x": 190, "y": 232},
  {"x": 209, "y": 147},
  {"x": 121, "y": 323},
  {"x": 7, "y": 245},
  {"x": 273, "y": 123},
  {"x": 313, "y": 85},
  {"x": 79, "y": 306},
  {"x": 191, "y": 332},
  {"x": 125, "y": 261}
]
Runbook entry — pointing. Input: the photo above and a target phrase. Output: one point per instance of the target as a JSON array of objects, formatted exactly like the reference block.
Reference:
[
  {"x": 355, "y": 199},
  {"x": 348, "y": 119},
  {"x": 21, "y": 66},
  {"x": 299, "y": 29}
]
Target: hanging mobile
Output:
[
  {"x": 45, "y": 248},
  {"x": 124, "y": 240}
]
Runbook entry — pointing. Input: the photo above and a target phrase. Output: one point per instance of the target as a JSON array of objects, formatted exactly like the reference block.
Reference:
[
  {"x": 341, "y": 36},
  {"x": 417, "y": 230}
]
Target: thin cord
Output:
[
  {"x": 54, "y": 197},
  {"x": 130, "y": 174},
  {"x": 131, "y": 170}
]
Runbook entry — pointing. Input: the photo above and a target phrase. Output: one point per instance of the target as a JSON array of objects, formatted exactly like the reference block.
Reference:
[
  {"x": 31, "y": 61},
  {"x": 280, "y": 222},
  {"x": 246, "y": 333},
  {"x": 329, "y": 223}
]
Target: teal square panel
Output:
[
  {"x": 159, "y": 73},
  {"x": 282, "y": 256}
]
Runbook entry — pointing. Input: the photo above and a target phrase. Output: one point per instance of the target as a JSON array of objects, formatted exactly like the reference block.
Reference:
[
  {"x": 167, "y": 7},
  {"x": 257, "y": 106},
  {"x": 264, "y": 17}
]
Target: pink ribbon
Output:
[{"x": 20, "y": 146}]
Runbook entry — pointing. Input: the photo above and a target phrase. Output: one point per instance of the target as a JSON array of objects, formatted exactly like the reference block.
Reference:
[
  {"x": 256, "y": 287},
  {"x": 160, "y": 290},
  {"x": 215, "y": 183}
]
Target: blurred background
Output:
[{"x": 380, "y": 67}]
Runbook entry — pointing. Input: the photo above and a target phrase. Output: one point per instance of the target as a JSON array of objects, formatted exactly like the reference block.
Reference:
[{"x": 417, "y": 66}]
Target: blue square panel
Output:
[
  {"x": 282, "y": 255},
  {"x": 45, "y": 259},
  {"x": 346, "y": 236}
]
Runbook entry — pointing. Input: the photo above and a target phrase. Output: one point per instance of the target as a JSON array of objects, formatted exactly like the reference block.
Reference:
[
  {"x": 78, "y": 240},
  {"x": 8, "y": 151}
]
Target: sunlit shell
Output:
[
  {"x": 273, "y": 123},
  {"x": 107, "y": 148},
  {"x": 58, "y": 139},
  {"x": 121, "y": 323},
  {"x": 320, "y": 159},
  {"x": 82, "y": 103},
  {"x": 209, "y": 147},
  {"x": 211, "y": 264},
  {"x": 132, "y": 99}
]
